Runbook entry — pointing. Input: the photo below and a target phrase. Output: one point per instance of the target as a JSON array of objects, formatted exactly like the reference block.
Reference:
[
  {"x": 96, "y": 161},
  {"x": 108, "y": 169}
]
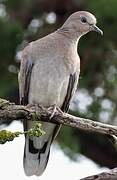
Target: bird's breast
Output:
[{"x": 49, "y": 82}]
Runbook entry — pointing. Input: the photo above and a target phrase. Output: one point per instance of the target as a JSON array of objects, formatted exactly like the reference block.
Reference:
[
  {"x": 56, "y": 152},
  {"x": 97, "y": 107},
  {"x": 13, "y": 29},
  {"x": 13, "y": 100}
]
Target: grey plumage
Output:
[{"x": 48, "y": 76}]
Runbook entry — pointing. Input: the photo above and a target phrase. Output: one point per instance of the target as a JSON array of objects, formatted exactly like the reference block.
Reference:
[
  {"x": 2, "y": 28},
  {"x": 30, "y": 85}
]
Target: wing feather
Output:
[
  {"x": 24, "y": 79},
  {"x": 72, "y": 84},
  {"x": 70, "y": 91}
]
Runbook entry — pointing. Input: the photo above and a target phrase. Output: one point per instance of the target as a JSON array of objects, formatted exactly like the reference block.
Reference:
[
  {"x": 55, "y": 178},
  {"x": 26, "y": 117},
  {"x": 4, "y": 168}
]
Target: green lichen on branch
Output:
[
  {"x": 3, "y": 103},
  {"x": 36, "y": 131},
  {"x": 6, "y": 136}
]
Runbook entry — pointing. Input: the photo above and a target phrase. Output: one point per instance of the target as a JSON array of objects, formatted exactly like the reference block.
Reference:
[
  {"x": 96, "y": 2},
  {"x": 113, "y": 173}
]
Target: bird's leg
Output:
[{"x": 54, "y": 109}]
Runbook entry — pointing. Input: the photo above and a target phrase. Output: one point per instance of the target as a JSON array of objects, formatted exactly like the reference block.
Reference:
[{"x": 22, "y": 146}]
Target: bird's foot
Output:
[{"x": 54, "y": 109}]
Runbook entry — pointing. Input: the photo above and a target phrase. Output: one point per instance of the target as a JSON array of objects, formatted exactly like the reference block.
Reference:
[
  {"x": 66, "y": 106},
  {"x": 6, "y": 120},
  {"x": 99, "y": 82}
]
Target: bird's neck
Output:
[{"x": 70, "y": 36}]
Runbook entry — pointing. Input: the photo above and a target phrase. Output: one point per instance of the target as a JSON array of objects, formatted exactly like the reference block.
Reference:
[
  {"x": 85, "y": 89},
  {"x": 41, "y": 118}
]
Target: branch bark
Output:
[
  {"x": 10, "y": 111},
  {"x": 110, "y": 175}
]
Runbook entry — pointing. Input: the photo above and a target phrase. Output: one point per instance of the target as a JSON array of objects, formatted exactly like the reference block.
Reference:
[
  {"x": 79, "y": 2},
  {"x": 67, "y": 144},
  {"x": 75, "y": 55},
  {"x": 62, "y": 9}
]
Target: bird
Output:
[{"x": 48, "y": 76}]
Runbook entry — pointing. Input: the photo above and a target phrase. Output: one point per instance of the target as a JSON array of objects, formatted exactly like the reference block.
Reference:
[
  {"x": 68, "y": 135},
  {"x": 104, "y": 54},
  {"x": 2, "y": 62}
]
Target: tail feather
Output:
[
  {"x": 37, "y": 150},
  {"x": 35, "y": 160}
]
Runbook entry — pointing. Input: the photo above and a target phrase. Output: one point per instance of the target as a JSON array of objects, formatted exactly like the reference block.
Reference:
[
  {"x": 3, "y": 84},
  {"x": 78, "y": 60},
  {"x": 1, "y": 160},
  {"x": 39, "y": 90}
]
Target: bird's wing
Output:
[
  {"x": 24, "y": 78},
  {"x": 73, "y": 79},
  {"x": 72, "y": 84}
]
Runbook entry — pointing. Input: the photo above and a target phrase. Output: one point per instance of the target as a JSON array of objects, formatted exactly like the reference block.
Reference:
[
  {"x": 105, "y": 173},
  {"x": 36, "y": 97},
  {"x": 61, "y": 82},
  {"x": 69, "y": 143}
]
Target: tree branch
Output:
[
  {"x": 10, "y": 111},
  {"x": 110, "y": 175}
]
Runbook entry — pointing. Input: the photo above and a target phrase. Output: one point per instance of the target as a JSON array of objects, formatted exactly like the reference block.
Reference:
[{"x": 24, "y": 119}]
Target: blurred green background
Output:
[{"x": 26, "y": 20}]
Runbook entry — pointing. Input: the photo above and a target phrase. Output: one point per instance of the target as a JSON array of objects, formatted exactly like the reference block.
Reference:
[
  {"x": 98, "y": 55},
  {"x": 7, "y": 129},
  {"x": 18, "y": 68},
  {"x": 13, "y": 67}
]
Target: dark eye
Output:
[{"x": 83, "y": 20}]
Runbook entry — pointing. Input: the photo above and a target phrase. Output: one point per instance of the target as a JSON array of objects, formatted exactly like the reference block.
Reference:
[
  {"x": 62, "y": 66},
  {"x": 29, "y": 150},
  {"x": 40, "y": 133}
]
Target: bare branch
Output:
[
  {"x": 10, "y": 111},
  {"x": 109, "y": 175}
]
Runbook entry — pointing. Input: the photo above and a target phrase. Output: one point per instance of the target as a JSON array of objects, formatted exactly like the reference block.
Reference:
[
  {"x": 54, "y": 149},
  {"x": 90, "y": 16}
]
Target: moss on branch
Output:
[{"x": 6, "y": 136}]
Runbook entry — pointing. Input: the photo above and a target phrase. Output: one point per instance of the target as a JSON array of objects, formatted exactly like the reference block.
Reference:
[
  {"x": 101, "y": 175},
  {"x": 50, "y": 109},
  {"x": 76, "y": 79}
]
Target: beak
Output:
[{"x": 96, "y": 29}]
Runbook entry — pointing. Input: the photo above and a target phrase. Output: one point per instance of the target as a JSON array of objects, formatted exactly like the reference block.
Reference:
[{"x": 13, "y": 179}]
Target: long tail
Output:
[{"x": 37, "y": 150}]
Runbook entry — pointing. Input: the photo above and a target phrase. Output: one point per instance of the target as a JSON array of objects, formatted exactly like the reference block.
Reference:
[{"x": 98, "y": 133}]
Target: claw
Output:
[
  {"x": 54, "y": 108},
  {"x": 53, "y": 112}
]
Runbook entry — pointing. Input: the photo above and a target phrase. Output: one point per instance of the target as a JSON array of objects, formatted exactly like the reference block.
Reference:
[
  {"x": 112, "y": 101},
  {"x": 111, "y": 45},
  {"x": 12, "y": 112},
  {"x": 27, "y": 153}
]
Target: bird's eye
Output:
[{"x": 83, "y": 20}]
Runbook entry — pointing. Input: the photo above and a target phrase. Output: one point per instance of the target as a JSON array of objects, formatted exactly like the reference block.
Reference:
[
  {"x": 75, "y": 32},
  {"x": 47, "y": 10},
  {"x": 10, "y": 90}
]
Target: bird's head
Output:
[{"x": 80, "y": 23}]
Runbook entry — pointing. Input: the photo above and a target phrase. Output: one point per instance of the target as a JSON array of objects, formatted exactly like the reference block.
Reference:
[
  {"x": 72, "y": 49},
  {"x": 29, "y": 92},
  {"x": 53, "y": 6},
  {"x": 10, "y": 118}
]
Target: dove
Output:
[{"x": 49, "y": 74}]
